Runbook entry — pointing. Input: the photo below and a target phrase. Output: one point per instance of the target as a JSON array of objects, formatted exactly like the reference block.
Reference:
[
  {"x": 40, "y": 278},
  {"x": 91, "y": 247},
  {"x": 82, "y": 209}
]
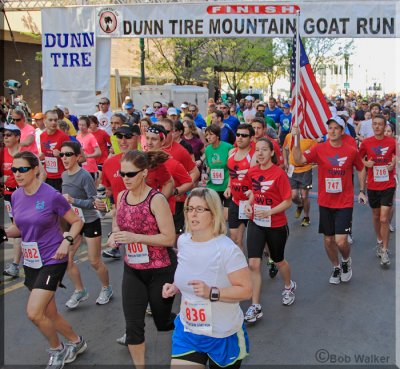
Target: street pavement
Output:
[{"x": 352, "y": 323}]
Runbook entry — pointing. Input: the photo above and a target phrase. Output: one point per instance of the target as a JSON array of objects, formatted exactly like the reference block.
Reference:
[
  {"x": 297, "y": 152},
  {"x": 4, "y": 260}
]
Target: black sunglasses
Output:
[
  {"x": 21, "y": 169},
  {"x": 17, "y": 120},
  {"x": 129, "y": 174},
  {"x": 120, "y": 136},
  {"x": 67, "y": 154},
  {"x": 244, "y": 135},
  {"x": 157, "y": 106}
]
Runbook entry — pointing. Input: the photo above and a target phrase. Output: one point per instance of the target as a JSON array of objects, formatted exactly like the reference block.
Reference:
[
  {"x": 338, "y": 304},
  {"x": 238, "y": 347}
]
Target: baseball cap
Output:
[
  {"x": 172, "y": 111},
  {"x": 129, "y": 105},
  {"x": 336, "y": 119},
  {"x": 343, "y": 113},
  {"x": 286, "y": 106},
  {"x": 61, "y": 107},
  {"x": 38, "y": 116},
  {"x": 162, "y": 111},
  {"x": 149, "y": 111},
  {"x": 184, "y": 106},
  {"x": 129, "y": 129},
  {"x": 11, "y": 127},
  {"x": 249, "y": 98}
]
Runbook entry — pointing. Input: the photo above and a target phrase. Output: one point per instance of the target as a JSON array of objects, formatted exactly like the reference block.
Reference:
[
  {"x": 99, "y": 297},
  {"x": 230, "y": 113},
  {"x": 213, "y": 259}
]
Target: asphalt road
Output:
[{"x": 352, "y": 324}]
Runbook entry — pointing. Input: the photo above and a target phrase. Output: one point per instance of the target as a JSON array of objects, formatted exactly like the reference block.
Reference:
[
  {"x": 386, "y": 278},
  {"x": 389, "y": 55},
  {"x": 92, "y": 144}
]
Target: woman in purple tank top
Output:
[{"x": 144, "y": 226}]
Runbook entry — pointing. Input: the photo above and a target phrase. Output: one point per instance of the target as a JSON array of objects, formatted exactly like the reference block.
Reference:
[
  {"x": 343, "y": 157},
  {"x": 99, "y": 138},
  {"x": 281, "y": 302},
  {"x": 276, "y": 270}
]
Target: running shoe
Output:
[
  {"x": 122, "y": 340},
  {"x": 112, "y": 252},
  {"x": 379, "y": 250},
  {"x": 105, "y": 295},
  {"x": 335, "y": 276},
  {"x": 148, "y": 310},
  {"x": 298, "y": 211},
  {"x": 288, "y": 294},
  {"x": 391, "y": 228},
  {"x": 76, "y": 298},
  {"x": 57, "y": 357},
  {"x": 74, "y": 349},
  {"x": 385, "y": 261},
  {"x": 350, "y": 239},
  {"x": 273, "y": 270},
  {"x": 305, "y": 222},
  {"x": 253, "y": 313},
  {"x": 346, "y": 271},
  {"x": 11, "y": 270}
]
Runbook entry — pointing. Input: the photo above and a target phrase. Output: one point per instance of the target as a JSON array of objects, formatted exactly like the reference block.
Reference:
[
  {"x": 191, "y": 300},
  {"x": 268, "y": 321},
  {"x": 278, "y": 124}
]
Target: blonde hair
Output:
[{"x": 213, "y": 202}]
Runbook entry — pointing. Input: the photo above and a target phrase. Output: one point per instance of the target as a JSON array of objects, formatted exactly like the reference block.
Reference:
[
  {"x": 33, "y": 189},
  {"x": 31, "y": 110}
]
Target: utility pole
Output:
[{"x": 142, "y": 56}]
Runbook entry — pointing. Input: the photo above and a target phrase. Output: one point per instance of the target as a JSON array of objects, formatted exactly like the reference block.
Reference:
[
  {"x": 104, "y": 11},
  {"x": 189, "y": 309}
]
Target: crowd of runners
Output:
[{"x": 182, "y": 190}]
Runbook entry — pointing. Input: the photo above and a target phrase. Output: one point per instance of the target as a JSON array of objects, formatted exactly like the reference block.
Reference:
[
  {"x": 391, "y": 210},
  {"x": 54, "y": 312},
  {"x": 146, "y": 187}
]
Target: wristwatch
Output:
[
  {"x": 214, "y": 294},
  {"x": 176, "y": 193},
  {"x": 69, "y": 239}
]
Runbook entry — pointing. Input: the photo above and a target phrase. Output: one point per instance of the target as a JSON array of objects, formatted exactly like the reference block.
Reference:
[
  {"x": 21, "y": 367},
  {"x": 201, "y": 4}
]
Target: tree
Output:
[
  {"x": 236, "y": 58},
  {"x": 323, "y": 52},
  {"x": 180, "y": 57}
]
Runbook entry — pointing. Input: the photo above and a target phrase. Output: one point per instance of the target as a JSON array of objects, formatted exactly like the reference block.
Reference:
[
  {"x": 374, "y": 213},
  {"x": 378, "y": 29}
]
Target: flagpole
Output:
[{"x": 297, "y": 72}]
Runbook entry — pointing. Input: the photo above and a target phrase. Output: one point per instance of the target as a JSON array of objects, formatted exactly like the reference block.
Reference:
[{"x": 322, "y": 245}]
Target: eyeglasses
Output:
[
  {"x": 129, "y": 174},
  {"x": 157, "y": 106},
  {"x": 261, "y": 110},
  {"x": 103, "y": 103},
  {"x": 120, "y": 136},
  {"x": 21, "y": 169},
  {"x": 192, "y": 111},
  {"x": 16, "y": 119},
  {"x": 244, "y": 135},
  {"x": 197, "y": 209},
  {"x": 67, "y": 154},
  {"x": 8, "y": 135}
]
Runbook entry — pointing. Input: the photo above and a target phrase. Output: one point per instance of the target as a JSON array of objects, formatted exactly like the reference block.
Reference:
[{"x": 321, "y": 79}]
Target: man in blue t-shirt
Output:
[
  {"x": 198, "y": 119},
  {"x": 285, "y": 122},
  {"x": 230, "y": 120},
  {"x": 272, "y": 110},
  {"x": 227, "y": 135}
]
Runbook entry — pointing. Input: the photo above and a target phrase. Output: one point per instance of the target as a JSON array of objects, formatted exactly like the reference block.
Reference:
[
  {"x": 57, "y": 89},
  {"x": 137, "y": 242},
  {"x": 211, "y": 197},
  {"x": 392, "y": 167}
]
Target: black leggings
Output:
[
  {"x": 202, "y": 358},
  {"x": 140, "y": 287}
]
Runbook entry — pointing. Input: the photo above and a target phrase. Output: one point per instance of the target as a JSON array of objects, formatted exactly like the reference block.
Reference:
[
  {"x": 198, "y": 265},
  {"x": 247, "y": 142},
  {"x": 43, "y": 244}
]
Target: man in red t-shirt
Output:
[
  {"x": 335, "y": 193},
  {"x": 379, "y": 155},
  {"x": 155, "y": 137},
  {"x": 50, "y": 144}
]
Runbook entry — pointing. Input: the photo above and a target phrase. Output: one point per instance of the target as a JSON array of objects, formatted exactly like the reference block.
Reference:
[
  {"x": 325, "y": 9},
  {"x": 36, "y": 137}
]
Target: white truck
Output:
[{"x": 147, "y": 94}]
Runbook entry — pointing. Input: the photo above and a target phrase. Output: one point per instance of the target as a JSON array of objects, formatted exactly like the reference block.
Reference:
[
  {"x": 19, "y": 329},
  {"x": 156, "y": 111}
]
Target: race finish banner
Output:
[
  {"x": 318, "y": 19},
  {"x": 76, "y": 41}
]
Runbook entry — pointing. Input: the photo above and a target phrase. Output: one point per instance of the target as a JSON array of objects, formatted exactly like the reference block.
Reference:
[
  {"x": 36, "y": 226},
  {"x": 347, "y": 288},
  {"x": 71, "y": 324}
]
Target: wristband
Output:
[{"x": 362, "y": 191}]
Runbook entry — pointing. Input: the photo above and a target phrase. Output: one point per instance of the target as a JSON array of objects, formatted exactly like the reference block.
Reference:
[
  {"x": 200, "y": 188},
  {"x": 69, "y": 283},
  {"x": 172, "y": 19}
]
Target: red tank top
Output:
[
  {"x": 237, "y": 170},
  {"x": 7, "y": 164},
  {"x": 139, "y": 219}
]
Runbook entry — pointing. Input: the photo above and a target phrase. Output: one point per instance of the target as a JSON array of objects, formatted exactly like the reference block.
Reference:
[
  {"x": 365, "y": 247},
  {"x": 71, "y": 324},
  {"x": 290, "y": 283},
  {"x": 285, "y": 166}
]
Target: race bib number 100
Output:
[{"x": 137, "y": 253}]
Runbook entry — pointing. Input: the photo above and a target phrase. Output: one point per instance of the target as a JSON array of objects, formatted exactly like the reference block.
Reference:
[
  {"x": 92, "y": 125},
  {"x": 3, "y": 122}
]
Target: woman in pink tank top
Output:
[{"x": 144, "y": 226}]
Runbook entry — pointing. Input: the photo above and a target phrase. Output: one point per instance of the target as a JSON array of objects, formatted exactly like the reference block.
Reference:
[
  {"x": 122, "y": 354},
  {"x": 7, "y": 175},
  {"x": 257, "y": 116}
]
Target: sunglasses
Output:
[
  {"x": 120, "y": 136},
  {"x": 103, "y": 103},
  {"x": 8, "y": 135},
  {"x": 16, "y": 120},
  {"x": 66, "y": 154},
  {"x": 261, "y": 110},
  {"x": 129, "y": 174},
  {"x": 157, "y": 106},
  {"x": 244, "y": 135},
  {"x": 21, "y": 169}
]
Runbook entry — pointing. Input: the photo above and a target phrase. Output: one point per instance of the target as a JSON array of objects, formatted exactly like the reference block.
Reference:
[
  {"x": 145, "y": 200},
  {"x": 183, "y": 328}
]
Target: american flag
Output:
[{"x": 312, "y": 109}]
